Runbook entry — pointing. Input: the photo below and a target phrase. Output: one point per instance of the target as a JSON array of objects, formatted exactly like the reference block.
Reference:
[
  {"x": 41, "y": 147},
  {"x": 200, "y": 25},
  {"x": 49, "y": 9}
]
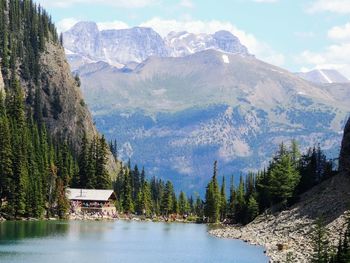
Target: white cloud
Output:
[
  {"x": 112, "y": 25},
  {"x": 66, "y": 24},
  {"x": 335, "y": 6},
  {"x": 114, "y": 3},
  {"x": 258, "y": 48},
  {"x": 340, "y": 32},
  {"x": 333, "y": 57},
  {"x": 187, "y": 3}
]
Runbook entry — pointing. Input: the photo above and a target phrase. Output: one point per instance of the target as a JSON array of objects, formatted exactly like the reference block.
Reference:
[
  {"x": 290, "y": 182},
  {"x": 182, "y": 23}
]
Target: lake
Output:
[{"x": 119, "y": 241}]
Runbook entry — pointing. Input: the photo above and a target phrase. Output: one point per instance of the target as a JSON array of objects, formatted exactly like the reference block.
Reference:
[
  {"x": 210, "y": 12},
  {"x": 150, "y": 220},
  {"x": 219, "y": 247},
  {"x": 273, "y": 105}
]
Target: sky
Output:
[{"x": 298, "y": 35}]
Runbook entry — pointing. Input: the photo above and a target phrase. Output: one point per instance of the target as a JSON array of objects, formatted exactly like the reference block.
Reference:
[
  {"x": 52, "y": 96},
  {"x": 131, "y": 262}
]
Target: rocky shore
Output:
[{"x": 288, "y": 233}]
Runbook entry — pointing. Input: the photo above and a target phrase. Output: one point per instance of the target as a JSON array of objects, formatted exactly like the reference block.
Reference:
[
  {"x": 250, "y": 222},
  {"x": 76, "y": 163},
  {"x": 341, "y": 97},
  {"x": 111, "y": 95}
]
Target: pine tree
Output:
[
  {"x": 283, "y": 177},
  {"x": 212, "y": 199},
  {"x": 103, "y": 180},
  {"x": 241, "y": 202},
  {"x": 83, "y": 163},
  {"x": 252, "y": 209},
  {"x": 223, "y": 200},
  {"x": 128, "y": 205},
  {"x": 183, "y": 204},
  {"x": 6, "y": 157},
  {"x": 232, "y": 199},
  {"x": 167, "y": 202},
  {"x": 321, "y": 249}
]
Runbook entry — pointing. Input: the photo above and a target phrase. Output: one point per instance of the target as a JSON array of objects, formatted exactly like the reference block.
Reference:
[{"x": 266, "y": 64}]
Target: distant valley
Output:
[{"x": 179, "y": 103}]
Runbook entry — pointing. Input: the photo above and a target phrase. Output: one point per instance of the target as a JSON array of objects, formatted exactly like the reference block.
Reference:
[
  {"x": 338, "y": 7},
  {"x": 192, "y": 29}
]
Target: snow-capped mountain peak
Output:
[
  {"x": 85, "y": 43},
  {"x": 184, "y": 43}
]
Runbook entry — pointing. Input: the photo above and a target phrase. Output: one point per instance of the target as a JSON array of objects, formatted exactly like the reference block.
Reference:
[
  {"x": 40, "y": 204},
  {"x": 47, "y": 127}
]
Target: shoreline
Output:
[
  {"x": 96, "y": 217},
  {"x": 236, "y": 233}
]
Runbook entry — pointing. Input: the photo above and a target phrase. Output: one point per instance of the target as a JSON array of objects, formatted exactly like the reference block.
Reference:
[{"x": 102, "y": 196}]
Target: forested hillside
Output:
[{"x": 43, "y": 117}]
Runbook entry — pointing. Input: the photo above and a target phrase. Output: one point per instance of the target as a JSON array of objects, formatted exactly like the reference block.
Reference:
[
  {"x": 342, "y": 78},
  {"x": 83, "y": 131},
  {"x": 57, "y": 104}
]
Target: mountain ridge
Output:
[{"x": 85, "y": 43}]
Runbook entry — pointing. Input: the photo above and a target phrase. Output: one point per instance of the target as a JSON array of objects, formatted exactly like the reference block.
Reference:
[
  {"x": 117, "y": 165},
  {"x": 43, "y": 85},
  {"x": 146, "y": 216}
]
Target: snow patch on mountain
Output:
[
  {"x": 226, "y": 59},
  {"x": 323, "y": 76}
]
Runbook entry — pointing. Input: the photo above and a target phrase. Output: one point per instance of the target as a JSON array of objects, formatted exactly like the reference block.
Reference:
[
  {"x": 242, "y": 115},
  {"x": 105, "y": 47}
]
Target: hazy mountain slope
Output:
[
  {"x": 207, "y": 77},
  {"x": 323, "y": 76},
  {"x": 177, "y": 115}
]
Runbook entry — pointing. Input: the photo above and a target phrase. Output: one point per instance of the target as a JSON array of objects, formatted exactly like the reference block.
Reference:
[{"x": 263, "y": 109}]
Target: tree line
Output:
[
  {"x": 36, "y": 168},
  {"x": 139, "y": 195},
  {"x": 288, "y": 175},
  {"x": 25, "y": 28}
]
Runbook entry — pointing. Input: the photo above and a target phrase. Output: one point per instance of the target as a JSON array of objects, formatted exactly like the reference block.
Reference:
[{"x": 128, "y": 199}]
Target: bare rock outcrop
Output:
[{"x": 74, "y": 118}]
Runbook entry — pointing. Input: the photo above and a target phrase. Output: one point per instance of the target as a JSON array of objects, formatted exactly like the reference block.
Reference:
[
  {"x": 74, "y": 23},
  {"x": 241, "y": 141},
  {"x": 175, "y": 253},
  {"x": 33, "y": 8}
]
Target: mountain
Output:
[
  {"x": 323, "y": 76},
  {"x": 48, "y": 77},
  {"x": 183, "y": 43},
  {"x": 177, "y": 115},
  {"x": 85, "y": 44}
]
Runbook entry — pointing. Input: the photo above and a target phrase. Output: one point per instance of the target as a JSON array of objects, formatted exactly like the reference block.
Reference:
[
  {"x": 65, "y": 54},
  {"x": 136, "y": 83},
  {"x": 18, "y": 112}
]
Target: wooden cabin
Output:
[{"x": 92, "y": 201}]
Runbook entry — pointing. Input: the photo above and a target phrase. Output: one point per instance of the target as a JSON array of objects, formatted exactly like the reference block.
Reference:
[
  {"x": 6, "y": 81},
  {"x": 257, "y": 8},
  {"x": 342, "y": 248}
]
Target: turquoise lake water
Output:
[{"x": 119, "y": 242}]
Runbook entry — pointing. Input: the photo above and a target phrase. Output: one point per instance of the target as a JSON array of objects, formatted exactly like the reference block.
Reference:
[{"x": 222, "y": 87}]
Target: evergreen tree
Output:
[
  {"x": 283, "y": 177},
  {"x": 321, "y": 249},
  {"x": 252, "y": 209},
  {"x": 240, "y": 209},
  {"x": 103, "y": 180},
  {"x": 128, "y": 205},
  {"x": 6, "y": 156},
  {"x": 223, "y": 203},
  {"x": 232, "y": 199},
  {"x": 212, "y": 199},
  {"x": 183, "y": 204},
  {"x": 167, "y": 202}
]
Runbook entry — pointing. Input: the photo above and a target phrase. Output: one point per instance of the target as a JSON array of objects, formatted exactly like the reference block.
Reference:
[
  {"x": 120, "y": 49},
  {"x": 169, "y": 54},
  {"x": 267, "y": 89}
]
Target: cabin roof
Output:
[{"x": 89, "y": 194}]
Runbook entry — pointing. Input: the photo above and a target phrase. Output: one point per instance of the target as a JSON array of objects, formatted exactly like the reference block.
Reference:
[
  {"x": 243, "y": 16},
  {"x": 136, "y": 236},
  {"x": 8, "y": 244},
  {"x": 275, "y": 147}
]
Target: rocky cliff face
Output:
[
  {"x": 85, "y": 44},
  {"x": 344, "y": 158},
  {"x": 183, "y": 44},
  {"x": 73, "y": 119}
]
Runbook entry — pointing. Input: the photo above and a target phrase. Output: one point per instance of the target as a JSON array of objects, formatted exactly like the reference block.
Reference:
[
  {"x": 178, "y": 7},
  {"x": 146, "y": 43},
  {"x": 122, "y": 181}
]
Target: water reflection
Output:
[
  {"x": 17, "y": 230},
  {"x": 118, "y": 242}
]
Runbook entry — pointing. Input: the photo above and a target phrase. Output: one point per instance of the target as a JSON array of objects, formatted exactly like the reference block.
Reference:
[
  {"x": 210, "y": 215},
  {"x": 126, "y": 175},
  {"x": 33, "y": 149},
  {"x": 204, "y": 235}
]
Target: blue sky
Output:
[{"x": 294, "y": 34}]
